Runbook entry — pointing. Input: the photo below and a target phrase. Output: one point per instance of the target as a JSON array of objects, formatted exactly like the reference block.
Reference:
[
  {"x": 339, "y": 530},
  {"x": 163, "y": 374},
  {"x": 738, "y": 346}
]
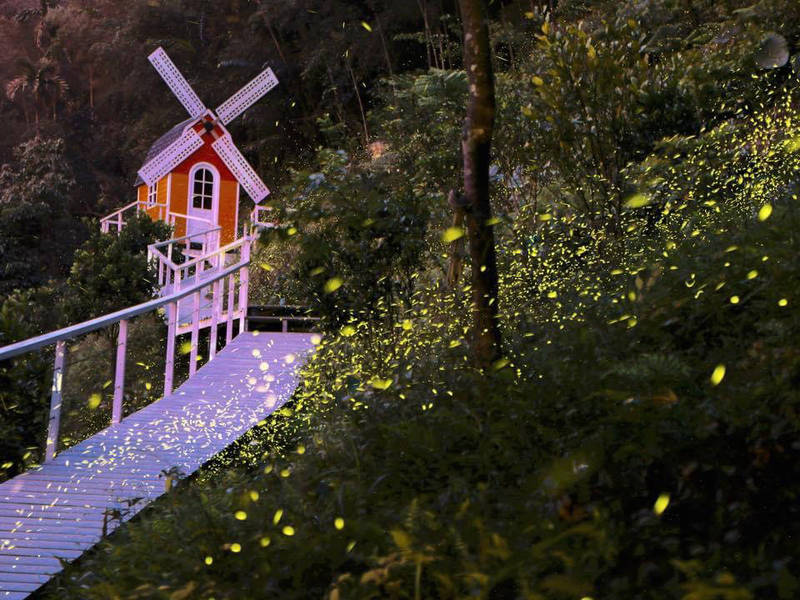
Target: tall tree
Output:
[
  {"x": 41, "y": 83},
  {"x": 476, "y": 147}
]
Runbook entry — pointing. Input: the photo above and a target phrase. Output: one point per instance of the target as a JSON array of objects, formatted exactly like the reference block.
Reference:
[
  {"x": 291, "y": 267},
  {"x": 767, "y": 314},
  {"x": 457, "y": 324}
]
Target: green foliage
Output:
[
  {"x": 36, "y": 233},
  {"x": 111, "y": 272},
  {"x": 24, "y": 381},
  {"x": 421, "y": 119},
  {"x": 597, "y": 104},
  {"x": 638, "y": 439},
  {"x": 541, "y": 479},
  {"x": 353, "y": 247},
  {"x": 40, "y": 174}
]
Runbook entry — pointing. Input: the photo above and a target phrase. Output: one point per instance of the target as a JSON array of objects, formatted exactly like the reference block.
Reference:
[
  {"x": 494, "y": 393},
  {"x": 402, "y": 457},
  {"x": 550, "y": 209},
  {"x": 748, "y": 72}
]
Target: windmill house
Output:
[{"x": 193, "y": 176}]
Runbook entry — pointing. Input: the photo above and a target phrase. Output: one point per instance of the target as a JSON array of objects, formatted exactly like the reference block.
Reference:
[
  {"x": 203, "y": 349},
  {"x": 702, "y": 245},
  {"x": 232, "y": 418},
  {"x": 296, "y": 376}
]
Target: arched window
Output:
[{"x": 203, "y": 189}]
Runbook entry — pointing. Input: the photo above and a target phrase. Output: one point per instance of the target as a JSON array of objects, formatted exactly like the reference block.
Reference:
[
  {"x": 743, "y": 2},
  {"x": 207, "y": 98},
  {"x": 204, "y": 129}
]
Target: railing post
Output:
[
  {"x": 54, "y": 422},
  {"x": 231, "y": 297},
  {"x": 119, "y": 376},
  {"x": 195, "y": 333},
  {"x": 244, "y": 281},
  {"x": 215, "y": 308},
  {"x": 172, "y": 326}
]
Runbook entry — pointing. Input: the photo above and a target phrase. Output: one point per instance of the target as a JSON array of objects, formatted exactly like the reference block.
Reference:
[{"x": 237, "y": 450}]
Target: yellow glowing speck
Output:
[
  {"x": 380, "y": 384},
  {"x": 661, "y": 504},
  {"x": 94, "y": 401},
  {"x": 350, "y": 546},
  {"x": 236, "y": 547},
  {"x": 209, "y": 560},
  {"x": 451, "y": 234},
  {"x": 765, "y": 212},
  {"x": 718, "y": 375},
  {"x": 240, "y": 515},
  {"x": 301, "y": 449},
  {"x": 288, "y": 530},
  {"x": 500, "y": 364},
  {"x": 734, "y": 299},
  {"x": 276, "y": 518},
  {"x": 339, "y": 523},
  {"x": 752, "y": 274},
  {"x": 637, "y": 201},
  {"x": 254, "y": 496},
  {"x": 783, "y": 302},
  {"x": 333, "y": 284},
  {"x": 316, "y": 339},
  {"x": 265, "y": 541}
]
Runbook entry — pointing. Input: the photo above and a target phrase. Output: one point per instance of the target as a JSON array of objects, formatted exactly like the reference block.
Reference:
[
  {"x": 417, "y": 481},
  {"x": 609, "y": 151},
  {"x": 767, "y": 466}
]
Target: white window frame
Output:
[
  {"x": 152, "y": 195},
  {"x": 201, "y": 170}
]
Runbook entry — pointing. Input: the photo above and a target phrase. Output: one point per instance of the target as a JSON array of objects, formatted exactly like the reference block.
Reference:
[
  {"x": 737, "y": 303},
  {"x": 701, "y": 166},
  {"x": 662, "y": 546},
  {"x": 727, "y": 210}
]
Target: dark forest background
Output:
[{"x": 639, "y": 437}]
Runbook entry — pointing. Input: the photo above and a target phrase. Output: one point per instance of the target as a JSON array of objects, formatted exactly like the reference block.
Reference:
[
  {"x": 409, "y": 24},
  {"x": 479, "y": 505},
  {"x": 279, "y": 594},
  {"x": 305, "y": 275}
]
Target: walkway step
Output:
[{"x": 57, "y": 510}]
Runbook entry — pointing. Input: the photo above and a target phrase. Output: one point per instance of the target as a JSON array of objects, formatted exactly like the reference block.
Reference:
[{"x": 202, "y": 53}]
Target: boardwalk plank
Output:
[{"x": 56, "y": 510}]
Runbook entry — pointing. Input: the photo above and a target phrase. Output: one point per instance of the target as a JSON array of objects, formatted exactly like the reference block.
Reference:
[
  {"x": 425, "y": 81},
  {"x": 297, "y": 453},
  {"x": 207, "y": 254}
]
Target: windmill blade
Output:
[
  {"x": 171, "y": 156},
  {"x": 241, "y": 169},
  {"x": 176, "y": 82},
  {"x": 247, "y": 96}
]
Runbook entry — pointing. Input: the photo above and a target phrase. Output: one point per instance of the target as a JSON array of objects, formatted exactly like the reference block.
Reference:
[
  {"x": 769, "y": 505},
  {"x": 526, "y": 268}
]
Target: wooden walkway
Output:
[{"x": 57, "y": 511}]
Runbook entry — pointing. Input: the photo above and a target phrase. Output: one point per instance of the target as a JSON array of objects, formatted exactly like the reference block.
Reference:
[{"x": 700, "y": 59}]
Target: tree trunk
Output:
[
  {"x": 382, "y": 35},
  {"x": 91, "y": 87},
  {"x": 275, "y": 41},
  {"x": 340, "y": 107},
  {"x": 360, "y": 103},
  {"x": 456, "y": 202},
  {"x": 423, "y": 8},
  {"x": 476, "y": 147}
]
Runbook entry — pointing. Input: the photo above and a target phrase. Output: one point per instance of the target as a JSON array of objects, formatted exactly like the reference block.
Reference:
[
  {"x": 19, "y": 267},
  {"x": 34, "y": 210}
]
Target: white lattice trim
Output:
[
  {"x": 247, "y": 96},
  {"x": 171, "y": 156},
  {"x": 241, "y": 169},
  {"x": 176, "y": 82}
]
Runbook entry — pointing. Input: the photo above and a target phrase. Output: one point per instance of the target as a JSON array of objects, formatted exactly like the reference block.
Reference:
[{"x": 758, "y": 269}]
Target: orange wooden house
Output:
[
  {"x": 193, "y": 175},
  {"x": 198, "y": 192}
]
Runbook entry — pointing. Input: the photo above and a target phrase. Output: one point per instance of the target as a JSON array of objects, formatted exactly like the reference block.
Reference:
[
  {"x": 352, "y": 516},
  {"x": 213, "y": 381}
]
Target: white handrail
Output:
[
  {"x": 189, "y": 217},
  {"x": 182, "y": 238},
  {"x": 48, "y": 339},
  {"x": 60, "y": 337},
  {"x": 255, "y": 216},
  {"x": 115, "y": 218},
  {"x": 121, "y": 210}
]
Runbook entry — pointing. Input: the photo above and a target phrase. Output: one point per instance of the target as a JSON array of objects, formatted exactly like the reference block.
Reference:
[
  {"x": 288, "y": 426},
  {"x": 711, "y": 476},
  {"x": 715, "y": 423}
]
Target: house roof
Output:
[{"x": 162, "y": 142}]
